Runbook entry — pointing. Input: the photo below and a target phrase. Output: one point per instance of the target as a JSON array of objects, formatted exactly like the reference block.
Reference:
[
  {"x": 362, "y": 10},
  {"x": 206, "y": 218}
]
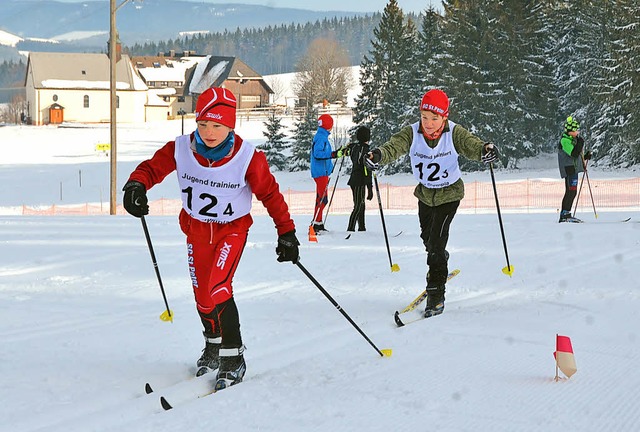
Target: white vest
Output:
[
  {"x": 213, "y": 194},
  {"x": 434, "y": 167}
]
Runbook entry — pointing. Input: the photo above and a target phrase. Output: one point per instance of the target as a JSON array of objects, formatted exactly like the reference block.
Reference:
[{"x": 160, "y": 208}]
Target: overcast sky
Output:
[{"x": 326, "y": 5}]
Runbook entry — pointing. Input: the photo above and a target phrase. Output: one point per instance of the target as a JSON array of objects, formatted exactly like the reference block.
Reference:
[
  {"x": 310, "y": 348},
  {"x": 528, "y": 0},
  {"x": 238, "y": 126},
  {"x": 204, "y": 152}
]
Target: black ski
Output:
[{"x": 395, "y": 235}]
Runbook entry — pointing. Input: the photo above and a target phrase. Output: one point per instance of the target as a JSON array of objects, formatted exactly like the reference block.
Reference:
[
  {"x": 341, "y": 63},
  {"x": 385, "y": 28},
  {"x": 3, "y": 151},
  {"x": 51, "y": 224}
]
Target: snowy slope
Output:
[{"x": 81, "y": 335}]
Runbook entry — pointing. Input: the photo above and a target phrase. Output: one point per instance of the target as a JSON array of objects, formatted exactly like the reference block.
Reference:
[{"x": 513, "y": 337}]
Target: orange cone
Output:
[{"x": 312, "y": 234}]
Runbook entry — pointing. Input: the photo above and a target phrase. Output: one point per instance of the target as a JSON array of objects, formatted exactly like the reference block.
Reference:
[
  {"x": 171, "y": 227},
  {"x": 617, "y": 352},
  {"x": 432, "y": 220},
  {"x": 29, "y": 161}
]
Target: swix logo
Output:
[
  {"x": 214, "y": 116},
  {"x": 224, "y": 254},
  {"x": 433, "y": 108}
]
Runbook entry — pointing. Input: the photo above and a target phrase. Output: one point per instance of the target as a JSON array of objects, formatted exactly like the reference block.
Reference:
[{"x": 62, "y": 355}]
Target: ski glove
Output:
[
  {"x": 372, "y": 159},
  {"x": 287, "y": 248},
  {"x": 490, "y": 153},
  {"x": 342, "y": 151},
  {"x": 135, "y": 199},
  {"x": 370, "y": 193},
  {"x": 588, "y": 155}
]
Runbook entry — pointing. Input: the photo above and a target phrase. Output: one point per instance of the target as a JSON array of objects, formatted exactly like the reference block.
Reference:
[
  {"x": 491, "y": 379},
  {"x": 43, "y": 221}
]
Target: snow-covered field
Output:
[{"x": 80, "y": 301}]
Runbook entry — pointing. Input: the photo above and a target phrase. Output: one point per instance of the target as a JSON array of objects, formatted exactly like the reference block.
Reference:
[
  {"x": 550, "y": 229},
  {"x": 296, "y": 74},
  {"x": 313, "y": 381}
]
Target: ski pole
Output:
[
  {"x": 508, "y": 270},
  {"x": 584, "y": 164},
  {"x": 333, "y": 191},
  {"x": 384, "y": 352},
  {"x": 589, "y": 185},
  {"x": 167, "y": 315},
  {"x": 575, "y": 209},
  {"x": 394, "y": 267}
]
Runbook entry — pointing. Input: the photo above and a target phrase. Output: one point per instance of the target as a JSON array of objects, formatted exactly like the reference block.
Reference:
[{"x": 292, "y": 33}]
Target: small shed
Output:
[{"x": 56, "y": 113}]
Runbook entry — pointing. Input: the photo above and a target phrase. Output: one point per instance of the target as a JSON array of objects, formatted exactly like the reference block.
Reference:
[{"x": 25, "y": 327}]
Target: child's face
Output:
[
  {"x": 431, "y": 122},
  {"x": 212, "y": 133},
  {"x": 574, "y": 133}
]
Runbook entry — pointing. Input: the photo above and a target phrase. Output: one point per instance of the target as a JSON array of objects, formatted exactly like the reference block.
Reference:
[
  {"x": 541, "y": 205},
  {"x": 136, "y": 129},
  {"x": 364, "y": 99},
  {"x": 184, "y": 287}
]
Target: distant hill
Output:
[{"x": 85, "y": 26}]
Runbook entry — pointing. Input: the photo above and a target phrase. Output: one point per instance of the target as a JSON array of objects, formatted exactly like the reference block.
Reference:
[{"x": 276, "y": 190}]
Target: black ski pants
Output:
[
  {"x": 434, "y": 226},
  {"x": 570, "y": 188},
  {"x": 357, "y": 215}
]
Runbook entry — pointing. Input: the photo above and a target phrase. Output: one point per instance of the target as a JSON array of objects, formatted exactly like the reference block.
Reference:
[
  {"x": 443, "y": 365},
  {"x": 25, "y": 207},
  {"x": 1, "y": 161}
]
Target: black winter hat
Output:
[{"x": 363, "y": 134}]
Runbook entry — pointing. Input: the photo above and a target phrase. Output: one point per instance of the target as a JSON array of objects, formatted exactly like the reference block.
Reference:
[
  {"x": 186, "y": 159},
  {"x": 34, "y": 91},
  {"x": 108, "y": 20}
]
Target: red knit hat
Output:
[
  {"x": 217, "y": 104},
  {"x": 325, "y": 121},
  {"x": 435, "y": 101}
]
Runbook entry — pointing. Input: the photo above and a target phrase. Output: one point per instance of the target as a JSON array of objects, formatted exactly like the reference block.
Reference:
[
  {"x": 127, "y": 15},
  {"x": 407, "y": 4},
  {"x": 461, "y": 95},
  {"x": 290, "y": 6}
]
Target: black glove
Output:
[
  {"x": 370, "y": 193},
  {"x": 287, "y": 248},
  {"x": 587, "y": 155},
  {"x": 371, "y": 160},
  {"x": 490, "y": 153},
  {"x": 135, "y": 199}
]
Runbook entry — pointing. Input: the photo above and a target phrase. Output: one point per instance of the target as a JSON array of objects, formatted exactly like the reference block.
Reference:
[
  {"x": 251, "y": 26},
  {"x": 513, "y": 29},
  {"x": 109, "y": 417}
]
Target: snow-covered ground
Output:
[{"x": 80, "y": 301}]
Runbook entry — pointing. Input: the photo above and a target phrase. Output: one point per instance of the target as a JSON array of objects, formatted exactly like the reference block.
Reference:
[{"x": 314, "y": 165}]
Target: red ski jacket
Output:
[{"x": 262, "y": 182}]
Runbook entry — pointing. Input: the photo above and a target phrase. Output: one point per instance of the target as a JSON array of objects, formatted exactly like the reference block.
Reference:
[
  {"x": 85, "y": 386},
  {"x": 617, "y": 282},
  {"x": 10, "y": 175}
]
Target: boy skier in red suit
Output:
[{"x": 217, "y": 174}]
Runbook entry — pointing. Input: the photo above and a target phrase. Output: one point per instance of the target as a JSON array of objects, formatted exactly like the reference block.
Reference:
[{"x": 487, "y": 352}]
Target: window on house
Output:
[
  {"x": 55, "y": 98},
  {"x": 86, "y": 101},
  {"x": 84, "y": 72},
  {"x": 117, "y": 101},
  {"x": 156, "y": 64},
  {"x": 180, "y": 98}
]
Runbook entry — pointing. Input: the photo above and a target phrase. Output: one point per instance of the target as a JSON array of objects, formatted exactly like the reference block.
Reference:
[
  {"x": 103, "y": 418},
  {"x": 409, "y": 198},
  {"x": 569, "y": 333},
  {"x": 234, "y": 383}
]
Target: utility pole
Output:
[{"x": 114, "y": 55}]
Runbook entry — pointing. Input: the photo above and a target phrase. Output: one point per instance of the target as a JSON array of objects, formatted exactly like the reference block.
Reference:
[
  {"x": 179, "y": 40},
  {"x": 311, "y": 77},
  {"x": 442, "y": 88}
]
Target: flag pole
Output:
[{"x": 555, "y": 357}]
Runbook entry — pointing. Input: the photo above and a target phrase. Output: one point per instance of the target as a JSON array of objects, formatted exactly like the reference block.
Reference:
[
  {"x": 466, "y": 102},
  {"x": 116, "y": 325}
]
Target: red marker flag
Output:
[{"x": 565, "y": 360}]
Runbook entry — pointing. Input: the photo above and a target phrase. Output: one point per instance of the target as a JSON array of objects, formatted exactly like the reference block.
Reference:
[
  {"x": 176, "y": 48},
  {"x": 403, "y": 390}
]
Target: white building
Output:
[{"x": 74, "y": 87}]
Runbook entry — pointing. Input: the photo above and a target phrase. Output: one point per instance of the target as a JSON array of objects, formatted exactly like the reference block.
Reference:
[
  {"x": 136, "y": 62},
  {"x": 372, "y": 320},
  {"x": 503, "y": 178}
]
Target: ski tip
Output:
[
  {"x": 148, "y": 389},
  {"x": 165, "y": 405},
  {"x": 397, "y": 319},
  {"x": 348, "y": 237}
]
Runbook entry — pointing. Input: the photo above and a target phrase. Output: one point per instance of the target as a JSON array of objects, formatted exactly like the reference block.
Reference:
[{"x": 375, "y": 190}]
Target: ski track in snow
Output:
[{"x": 81, "y": 331}]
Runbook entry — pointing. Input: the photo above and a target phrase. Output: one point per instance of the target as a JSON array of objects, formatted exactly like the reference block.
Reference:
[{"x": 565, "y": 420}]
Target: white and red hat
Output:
[
  {"x": 325, "y": 121},
  {"x": 436, "y": 101},
  {"x": 217, "y": 104}
]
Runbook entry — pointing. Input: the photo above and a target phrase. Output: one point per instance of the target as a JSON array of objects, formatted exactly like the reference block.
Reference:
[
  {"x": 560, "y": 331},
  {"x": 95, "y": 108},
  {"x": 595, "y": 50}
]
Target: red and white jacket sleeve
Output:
[{"x": 154, "y": 170}]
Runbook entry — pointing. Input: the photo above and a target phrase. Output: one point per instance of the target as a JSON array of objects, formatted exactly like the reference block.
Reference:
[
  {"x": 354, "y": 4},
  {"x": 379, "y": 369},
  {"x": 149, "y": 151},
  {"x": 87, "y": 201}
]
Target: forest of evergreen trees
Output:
[
  {"x": 12, "y": 75},
  {"x": 514, "y": 70},
  {"x": 274, "y": 49}
]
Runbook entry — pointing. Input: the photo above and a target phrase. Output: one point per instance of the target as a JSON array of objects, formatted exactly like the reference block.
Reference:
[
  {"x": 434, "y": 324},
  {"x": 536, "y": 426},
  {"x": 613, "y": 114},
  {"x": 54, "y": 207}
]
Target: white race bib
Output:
[
  {"x": 213, "y": 194},
  {"x": 434, "y": 167}
]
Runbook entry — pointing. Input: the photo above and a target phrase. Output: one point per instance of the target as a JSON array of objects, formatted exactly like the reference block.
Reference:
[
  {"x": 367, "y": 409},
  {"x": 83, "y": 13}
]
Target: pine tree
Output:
[
  {"x": 276, "y": 145},
  {"x": 387, "y": 82},
  {"x": 304, "y": 129},
  {"x": 616, "y": 127},
  {"x": 500, "y": 73},
  {"x": 432, "y": 59}
]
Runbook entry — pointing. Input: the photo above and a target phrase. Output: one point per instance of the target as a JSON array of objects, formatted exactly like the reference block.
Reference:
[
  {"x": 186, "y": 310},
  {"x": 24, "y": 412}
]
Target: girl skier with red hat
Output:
[
  {"x": 217, "y": 174},
  {"x": 434, "y": 144}
]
